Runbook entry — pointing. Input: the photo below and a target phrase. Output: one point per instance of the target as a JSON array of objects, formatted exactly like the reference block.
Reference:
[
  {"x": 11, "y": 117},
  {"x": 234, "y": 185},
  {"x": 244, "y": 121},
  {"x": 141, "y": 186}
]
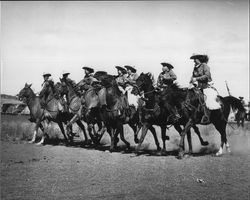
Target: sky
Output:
[{"x": 53, "y": 36}]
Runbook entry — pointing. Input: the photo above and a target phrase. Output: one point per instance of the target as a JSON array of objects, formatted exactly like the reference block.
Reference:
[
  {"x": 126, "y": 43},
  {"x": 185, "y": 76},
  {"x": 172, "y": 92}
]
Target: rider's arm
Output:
[{"x": 206, "y": 74}]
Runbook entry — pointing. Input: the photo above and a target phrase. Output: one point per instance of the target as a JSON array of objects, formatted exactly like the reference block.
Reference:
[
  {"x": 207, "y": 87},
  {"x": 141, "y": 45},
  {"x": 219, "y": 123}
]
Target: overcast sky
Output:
[{"x": 57, "y": 36}]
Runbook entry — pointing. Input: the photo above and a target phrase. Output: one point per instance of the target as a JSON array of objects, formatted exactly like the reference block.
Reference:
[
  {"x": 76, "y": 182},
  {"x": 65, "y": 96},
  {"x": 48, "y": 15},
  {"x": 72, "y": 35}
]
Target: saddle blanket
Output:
[{"x": 211, "y": 99}]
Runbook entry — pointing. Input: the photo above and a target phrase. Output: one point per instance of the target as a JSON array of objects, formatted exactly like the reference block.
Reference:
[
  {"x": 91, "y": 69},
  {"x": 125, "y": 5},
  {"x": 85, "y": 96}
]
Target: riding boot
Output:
[{"x": 206, "y": 117}]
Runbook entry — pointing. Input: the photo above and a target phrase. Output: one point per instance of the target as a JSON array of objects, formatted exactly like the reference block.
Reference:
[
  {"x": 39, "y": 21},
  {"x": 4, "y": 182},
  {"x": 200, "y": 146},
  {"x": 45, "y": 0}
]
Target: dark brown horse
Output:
[
  {"x": 89, "y": 112},
  {"x": 38, "y": 114},
  {"x": 117, "y": 111},
  {"x": 157, "y": 112},
  {"x": 189, "y": 104}
]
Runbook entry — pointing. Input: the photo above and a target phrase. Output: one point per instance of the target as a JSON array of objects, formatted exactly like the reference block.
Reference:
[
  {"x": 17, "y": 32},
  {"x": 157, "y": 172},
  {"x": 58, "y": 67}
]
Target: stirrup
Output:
[{"x": 205, "y": 120}]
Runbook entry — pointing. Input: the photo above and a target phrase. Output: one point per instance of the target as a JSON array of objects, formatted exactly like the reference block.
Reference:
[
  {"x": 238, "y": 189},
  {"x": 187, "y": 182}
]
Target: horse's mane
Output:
[{"x": 105, "y": 78}]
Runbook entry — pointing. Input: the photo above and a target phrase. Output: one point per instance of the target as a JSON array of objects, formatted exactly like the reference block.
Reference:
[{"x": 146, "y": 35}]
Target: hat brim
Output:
[
  {"x": 46, "y": 74},
  {"x": 196, "y": 57},
  {"x": 133, "y": 70},
  {"x": 89, "y": 69},
  {"x": 66, "y": 73}
]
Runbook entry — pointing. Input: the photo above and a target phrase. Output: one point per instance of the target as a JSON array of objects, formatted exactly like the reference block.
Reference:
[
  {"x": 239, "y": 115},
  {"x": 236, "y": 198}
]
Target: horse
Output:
[
  {"x": 117, "y": 111},
  {"x": 189, "y": 105},
  {"x": 107, "y": 80},
  {"x": 89, "y": 113},
  {"x": 38, "y": 114},
  {"x": 157, "y": 112}
]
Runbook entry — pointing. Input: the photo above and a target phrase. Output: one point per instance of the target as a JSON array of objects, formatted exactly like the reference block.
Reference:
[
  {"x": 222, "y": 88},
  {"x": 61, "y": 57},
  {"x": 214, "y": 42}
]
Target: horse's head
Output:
[
  {"x": 60, "y": 88},
  {"x": 26, "y": 92},
  {"x": 143, "y": 83}
]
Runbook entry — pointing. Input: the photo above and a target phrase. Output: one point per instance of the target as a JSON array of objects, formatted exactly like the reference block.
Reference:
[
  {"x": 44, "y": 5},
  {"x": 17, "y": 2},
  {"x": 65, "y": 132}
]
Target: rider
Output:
[
  {"x": 87, "y": 83},
  {"x": 67, "y": 81},
  {"x": 132, "y": 75},
  {"x": 47, "y": 81},
  {"x": 200, "y": 78},
  {"x": 121, "y": 78},
  {"x": 130, "y": 80},
  {"x": 165, "y": 79},
  {"x": 167, "y": 76}
]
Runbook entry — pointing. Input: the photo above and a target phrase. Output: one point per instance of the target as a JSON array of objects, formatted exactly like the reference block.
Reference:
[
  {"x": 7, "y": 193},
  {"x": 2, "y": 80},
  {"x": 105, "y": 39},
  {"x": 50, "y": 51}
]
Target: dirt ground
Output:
[{"x": 61, "y": 172}]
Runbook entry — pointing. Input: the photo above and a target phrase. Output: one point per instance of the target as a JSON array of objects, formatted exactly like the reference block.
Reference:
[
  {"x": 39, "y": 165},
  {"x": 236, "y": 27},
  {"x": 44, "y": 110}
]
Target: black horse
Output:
[
  {"x": 157, "y": 111},
  {"x": 190, "y": 107}
]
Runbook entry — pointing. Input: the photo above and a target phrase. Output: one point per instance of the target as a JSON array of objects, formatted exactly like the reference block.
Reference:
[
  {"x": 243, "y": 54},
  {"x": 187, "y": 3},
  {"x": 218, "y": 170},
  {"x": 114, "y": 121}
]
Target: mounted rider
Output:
[
  {"x": 201, "y": 78},
  {"x": 121, "y": 78},
  {"x": 64, "y": 100},
  {"x": 165, "y": 79},
  {"x": 87, "y": 83},
  {"x": 130, "y": 80},
  {"x": 46, "y": 83}
]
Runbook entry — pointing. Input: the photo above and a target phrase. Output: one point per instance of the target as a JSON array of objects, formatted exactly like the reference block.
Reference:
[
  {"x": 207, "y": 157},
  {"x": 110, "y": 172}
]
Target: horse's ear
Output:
[
  {"x": 60, "y": 79},
  {"x": 29, "y": 85},
  {"x": 26, "y": 85}
]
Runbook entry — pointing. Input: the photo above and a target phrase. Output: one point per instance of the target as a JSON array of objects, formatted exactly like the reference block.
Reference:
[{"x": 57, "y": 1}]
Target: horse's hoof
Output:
[
  {"x": 39, "y": 143},
  {"x": 204, "y": 143},
  {"x": 180, "y": 155},
  {"x": 136, "y": 140},
  {"x": 31, "y": 142}
]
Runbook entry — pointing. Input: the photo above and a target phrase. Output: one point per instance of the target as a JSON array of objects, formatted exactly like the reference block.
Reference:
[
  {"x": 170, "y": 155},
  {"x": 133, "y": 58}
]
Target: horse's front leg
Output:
[
  {"x": 38, "y": 123},
  {"x": 197, "y": 131},
  {"x": 143, "y": 134},
  {"x": 45, "y": 133},
  {"x": 63, "y": 132},
  {"x": 183, "y": 133}
]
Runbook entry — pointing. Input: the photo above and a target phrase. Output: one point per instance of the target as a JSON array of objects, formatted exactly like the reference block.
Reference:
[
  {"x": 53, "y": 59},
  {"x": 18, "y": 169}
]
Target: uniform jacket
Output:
[
  {"x": 166, "y": 78},
  {"x": 121, "y": 80},
  {"x": 45, "y": 86},
  {"x": 202, "y": 75}
]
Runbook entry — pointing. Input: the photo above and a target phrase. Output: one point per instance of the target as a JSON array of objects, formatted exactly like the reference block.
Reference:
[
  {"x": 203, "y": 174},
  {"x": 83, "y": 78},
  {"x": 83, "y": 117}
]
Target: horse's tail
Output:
[{"x": 234, "y": 103}]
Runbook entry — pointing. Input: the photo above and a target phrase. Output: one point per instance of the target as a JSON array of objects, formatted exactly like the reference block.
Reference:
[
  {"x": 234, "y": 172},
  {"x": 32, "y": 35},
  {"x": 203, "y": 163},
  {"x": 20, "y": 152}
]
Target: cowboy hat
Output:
[
  {"x": 200, "y": 57},
  {"x": 46, "y": 74},
  {"x": 132, "y": 69},
  {"x": 124, "y": 71},
  {"x": 167, "y": 65},
  {"x": 89, "y": 69},
  {"x": 64, "y": 72}
]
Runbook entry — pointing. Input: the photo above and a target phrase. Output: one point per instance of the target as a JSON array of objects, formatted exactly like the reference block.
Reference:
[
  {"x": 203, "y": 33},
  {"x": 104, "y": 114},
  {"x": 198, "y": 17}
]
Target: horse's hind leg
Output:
[
  {"x": 221, "y": 127},
  {"x": 197, "y": 131}
]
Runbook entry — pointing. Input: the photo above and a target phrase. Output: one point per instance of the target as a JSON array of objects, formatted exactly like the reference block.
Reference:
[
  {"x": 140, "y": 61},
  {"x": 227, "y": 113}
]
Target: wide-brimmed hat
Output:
[
  {"x": 89, "y": 69},
  {"x": 200, "y": 57},
  {"x": 46, "y": 74},
  {"x": 132, "y": 69},
  {"x": 167, "y": 65},
  {"x": 64, "y": 72},
  {"x": 124, "y": 71}
]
